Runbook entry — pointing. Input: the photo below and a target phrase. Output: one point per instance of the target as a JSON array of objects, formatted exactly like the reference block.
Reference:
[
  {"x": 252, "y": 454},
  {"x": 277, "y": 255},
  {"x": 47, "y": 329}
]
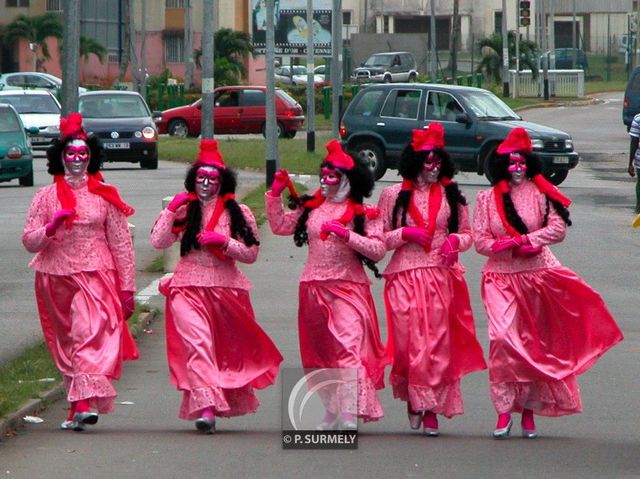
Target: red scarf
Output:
[
  {"x": 435, "y": 202},
  {"x": 95, "y": 185},
  {"x": 502, "y": 187},
  {"x": 215, "y": 217}
]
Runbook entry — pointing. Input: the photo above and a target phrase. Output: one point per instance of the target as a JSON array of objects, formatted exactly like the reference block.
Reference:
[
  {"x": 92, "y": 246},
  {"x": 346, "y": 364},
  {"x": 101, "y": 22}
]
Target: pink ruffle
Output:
[
  {"x": 552, "y": 398},
  {"x": 96, "y": 389},
  {"x": 444, "y": 399},
  {"x": 225, "y": 402}
]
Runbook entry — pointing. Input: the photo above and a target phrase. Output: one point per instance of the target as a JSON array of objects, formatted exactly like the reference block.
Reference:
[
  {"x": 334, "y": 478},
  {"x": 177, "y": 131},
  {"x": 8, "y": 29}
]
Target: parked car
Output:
[
  {"x": 562, "y": 59},
  {"x": 237, "y": 109},
  {"x": 631, "y": 102},
  {"x": 16, "y": 159},
  {"x": 386, "y": 67},
  {"x": 39, "y": 109},
  {"x": 296, "y": 75},
  {"x": 124, "y": 125},
  {"x": 377, "y": 125},
  {"x": 33, "y": 80}
]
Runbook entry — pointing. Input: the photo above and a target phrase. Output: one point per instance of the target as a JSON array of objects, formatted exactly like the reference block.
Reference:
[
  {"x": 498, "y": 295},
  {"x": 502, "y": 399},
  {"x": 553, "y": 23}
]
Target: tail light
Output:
[
  {"x": 625, "y": 102},
  {"x": 342, "y": 130},
  {"x": 14, "y": 153}
]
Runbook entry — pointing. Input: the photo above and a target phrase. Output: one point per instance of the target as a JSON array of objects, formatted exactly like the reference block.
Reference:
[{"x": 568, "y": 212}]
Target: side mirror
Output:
[
  {"x": 463, "y": 118},
  {"x": 156, "y": 114}
]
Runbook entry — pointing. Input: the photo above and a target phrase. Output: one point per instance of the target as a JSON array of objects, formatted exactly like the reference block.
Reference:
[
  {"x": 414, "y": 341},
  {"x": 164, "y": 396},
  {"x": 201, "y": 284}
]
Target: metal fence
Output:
[{"x": 568, "y": 83}]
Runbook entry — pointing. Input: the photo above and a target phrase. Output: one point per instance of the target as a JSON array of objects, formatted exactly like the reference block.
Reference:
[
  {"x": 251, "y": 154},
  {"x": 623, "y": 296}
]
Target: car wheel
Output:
[
  {"x": 387, "y": 79},
  {"x": 150, "y": 163},
  {"x": 413, "y": 77},
  {"x": 26, "y": 180},
  {"x": 178, "y": 128},
  {"x": 486, "y": 162},
  {"x": 291, "y": 134},
  {"x": 281, "y": 133},
  {"x": 556, "y": 176},
  {"x": 372, "y": 156}
]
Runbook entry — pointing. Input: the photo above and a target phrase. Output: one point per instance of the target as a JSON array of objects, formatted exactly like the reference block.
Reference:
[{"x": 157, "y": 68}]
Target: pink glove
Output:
[
  {"x": 178, "y": 200},
  {"x": 336, "y": 228},
  {"x": 280, "y": 182},
  {"x": 58, "y": 218},
  {"x": 413, "y": 234},
  {"x": 449, "y": 250},
  {"x": 211, "y": 238},
  {"x": 508, "y": 242},
  {"x": 527, "y": 251},
  {"x": 128, "y": 303}
]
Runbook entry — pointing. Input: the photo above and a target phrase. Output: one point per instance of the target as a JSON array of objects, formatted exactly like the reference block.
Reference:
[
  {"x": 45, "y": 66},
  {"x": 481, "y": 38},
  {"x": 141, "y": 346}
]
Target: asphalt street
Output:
[{"x": 145, "y": 439}]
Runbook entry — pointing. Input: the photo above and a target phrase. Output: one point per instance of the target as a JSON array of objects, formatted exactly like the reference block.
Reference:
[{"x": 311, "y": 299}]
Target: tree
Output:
[
  {"x": 36, "y": 30},
  {"x": 125, "y": 57},
  {"x": 453, "y": 41},
  {"x": 232, "y": 49},
  {"x": 90, "y": 46},
  {"x": 491, "y": 51}
]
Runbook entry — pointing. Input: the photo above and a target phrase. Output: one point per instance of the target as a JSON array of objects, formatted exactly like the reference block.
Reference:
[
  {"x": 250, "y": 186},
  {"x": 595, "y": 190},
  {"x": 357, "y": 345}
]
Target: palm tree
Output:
[
  {"x": 89, "y": 46},
  {"x": 231, "y": 51},
  {"x": 36, "y": 30},
  {"x": 491, "y": 51}
]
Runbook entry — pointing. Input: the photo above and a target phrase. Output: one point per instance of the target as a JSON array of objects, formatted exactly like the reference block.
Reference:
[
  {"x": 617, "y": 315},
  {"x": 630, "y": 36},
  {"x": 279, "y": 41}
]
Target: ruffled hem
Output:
[
  {"x": 445, "y": 399},
  {"x": 96, "y": 389},
  {"x": 552, "y": 398},
  {"x": 225, "y": 402}
]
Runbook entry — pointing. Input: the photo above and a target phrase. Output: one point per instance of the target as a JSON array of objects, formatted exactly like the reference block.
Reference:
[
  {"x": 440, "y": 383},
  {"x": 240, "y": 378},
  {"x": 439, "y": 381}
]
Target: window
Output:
[
  {"x": 438, "y": 104},
  {"x": 17, "y": 3},
  {"x": 175, "y": 3},
  {"x": 368, "y": 103},
  {"x": 253, "y": 98},
  {"x": 54, "y": 5},
  {"x": 497, "y": 22},
  {"x": 346, "y": 18},
  {"x": 174, "y": 49},
  {"x": 228, "y": 98},
  {"x": 402, "y": 104}
]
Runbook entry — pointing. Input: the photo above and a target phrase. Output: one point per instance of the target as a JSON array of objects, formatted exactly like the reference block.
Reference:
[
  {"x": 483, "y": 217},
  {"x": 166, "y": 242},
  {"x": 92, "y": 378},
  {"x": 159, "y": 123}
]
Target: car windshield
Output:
[
  {"x": 113, "y": 106},
  {"x": 299, "y": 70},
  {"x": 32, "y": 104},
  {"x": 487, "y": 106},
  {"x": 8, "y": 121},
  {"x": 379, "y": 61}
]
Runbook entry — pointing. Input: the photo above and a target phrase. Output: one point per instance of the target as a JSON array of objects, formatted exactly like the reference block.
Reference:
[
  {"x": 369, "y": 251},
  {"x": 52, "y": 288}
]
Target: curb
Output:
[{"x": 14, "y": 420}]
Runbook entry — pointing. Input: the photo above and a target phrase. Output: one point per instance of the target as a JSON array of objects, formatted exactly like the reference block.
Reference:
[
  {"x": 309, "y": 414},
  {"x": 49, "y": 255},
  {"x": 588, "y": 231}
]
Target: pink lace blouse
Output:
[
  {"x": 201, "y": 267},
  {"x": 99, "y": 238},
  {"x": 409, "y": 255},
  {"x": 531, "y": 206},
  {"x": 332, "y": 259}
]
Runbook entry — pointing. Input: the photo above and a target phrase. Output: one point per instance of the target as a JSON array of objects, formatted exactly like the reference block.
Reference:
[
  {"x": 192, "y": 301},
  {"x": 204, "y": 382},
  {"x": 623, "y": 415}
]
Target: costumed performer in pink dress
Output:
[
  {"x": 337, "y": 321},
  {"x": 426, "y": 222},
  {"x": 216, "y": 350},
  {"x": 546, "y": 325},
  {"x": 85, "y": 273}
]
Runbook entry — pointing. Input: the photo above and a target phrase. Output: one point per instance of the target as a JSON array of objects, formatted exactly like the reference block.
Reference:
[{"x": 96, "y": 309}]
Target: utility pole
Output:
[
  {"x": 143, "y": 50},
  {"x": 433, "y": 73},
  {"x": 272, "y": 159},
  {"x": 336, "y": 66},
  {"x": 207, "y": 69},
  {"x": 543, "y": 38},
  {"x": 505, "y": 51},
  {"x": 574, "y": 44},
  {"x": 311, "y": 102},
  {"x": 188, "y": 45},
  {"x": 70, "y": 54}
]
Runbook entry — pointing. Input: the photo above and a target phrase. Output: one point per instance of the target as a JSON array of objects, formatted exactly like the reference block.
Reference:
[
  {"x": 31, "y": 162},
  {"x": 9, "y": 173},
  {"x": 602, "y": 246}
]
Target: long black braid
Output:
[
  {"x": 361, "y": 184},
  {"x": 410, "y": 166},
  {"x": 239, "y": 227}
]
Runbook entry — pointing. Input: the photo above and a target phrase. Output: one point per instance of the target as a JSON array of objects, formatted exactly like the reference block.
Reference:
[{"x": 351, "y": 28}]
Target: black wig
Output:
[{"x": 55, "y": 165}]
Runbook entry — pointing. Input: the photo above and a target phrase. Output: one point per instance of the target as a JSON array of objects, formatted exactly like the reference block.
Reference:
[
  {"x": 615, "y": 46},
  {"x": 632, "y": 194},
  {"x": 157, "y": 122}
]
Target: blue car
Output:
[{"x": 16, "y": 160}]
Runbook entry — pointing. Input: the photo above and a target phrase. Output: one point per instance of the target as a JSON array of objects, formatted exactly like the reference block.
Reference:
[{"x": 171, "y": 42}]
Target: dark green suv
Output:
[{"x": 377, "y": 125}]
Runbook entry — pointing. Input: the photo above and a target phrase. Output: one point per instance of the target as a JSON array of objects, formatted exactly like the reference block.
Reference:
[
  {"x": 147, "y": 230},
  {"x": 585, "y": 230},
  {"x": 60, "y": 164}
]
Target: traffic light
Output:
[{"x": 525, "y": 13}]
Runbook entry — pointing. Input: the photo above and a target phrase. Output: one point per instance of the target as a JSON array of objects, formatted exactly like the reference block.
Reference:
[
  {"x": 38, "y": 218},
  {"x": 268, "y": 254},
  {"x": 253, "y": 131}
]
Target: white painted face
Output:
[
  {"x": 75, "y": 158},
  {"x": 334, "y": 185},
  {"x": 207, "y": 183},
  {"x": 517, "y": 167},
  {"x": 430, "y": 169}
]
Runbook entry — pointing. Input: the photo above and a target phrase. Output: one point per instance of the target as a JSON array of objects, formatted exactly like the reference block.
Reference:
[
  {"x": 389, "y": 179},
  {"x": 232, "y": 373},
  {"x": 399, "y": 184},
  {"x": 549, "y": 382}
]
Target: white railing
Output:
[{"x": 561, "y": 83}]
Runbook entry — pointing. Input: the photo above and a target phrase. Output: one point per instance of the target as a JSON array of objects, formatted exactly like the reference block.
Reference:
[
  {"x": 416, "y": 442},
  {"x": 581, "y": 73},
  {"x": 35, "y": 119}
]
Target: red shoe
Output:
[{"x": 430, "y": 424}]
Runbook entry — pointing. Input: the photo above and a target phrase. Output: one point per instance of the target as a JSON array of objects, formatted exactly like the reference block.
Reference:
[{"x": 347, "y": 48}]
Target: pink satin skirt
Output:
[
  {"x": 81, "y": 318},
  {"x": 338, "y": 328},
  {"x": 545, "y": 327},
  {"x": 216, "y": 350},
  {"x": 433, "y": 338}
]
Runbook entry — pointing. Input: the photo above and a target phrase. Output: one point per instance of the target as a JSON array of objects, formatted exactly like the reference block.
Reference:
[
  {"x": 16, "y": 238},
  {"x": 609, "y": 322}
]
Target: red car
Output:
[{"x": 238, "y": 109}]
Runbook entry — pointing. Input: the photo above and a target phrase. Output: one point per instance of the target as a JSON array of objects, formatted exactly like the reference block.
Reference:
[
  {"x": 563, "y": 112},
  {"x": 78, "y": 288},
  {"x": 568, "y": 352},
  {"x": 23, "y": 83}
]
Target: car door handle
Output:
[{"x": 380, "y": 124}]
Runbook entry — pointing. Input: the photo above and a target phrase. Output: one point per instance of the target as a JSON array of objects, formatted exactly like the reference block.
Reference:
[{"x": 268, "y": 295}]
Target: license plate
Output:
[
  {"x": 123, "y": 145},
  {"x": 40, "y": 139},
  {"x": 561, "y": 160}
]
